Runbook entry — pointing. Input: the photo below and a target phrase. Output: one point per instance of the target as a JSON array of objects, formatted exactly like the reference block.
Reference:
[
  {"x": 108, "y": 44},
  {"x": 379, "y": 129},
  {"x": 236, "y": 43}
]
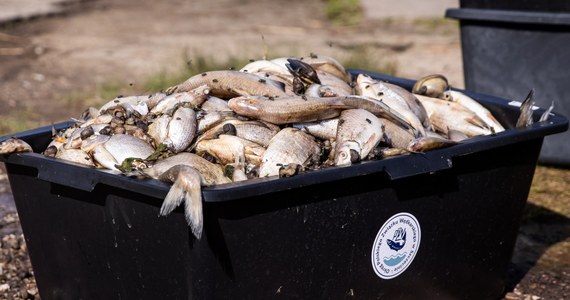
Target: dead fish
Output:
[
  {"x": 181, "y": 129},
  {"x": 226, "y": 147},
  {"x": 267, "y": 66},
  {"x": 158, "y": 129},
  {"x": 253, "y": 131},
  {"x": 426, "y": 143},
  {"x": 333, "y": 85},
  {"x": 101, "y": 119},
  {"x": 445, "y": 116},
  {"x": 317, "y": 90},
  {"x": 289, "y": 146},
  {"x": 359, "y": 131},
  {"x": 130, "y": 104},
  {"x": 386, "y": 152},
  {"x": 228, "y": 84},
  {"x": 483, "y": 113},
  {"x": 380, "y": 109},
  {"x": 186, "y": 187},
  {"x": 324, "y": 130},
  {"x": 396, "y": 98},
  {"x": 75, "y": 155},
  {"x": 395, "y": 136},
  {"x": 13, "y": 145},
  {"x": 207, "y": 120},
  {"x": 89, "y": 144},
  {"x": 120, "y": 147},
  {"x": 193, "y": 98},
  {"x": 212, "y": 173},
  {"x": 154, "y": 99},
  {"x": 215, "y": 104},
  {"x": 327, "y": 64},
  {"x": 293, "y": 109},
  {"x": 188, "y": 172}
]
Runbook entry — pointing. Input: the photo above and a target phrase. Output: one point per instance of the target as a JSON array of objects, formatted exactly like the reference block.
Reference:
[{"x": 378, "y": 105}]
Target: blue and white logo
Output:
[{"x": 396, "y": 245}]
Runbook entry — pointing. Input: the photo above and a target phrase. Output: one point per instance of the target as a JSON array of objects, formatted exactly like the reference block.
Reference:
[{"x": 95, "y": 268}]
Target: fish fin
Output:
[
  {"x": 546, "y": 114},
  {"x": 193, "y": 210},
  {"x": 525, "y": 118},
  {"x": 174, "y": 198},
  {"x": 477, "y": 121}
]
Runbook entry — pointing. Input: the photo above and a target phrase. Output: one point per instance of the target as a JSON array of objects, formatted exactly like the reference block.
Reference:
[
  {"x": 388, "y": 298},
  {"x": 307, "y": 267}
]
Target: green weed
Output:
[{"x": 344, "y": 12}]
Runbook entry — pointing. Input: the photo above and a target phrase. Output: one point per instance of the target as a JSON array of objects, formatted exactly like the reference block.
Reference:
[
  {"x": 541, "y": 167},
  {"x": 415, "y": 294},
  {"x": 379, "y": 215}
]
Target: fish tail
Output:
[
  {"x": 525, "y": 117},
  {"x": 187, "y": 189},
  {"x": 193, "y": 210},
  {"x": 173, "y": 199}
]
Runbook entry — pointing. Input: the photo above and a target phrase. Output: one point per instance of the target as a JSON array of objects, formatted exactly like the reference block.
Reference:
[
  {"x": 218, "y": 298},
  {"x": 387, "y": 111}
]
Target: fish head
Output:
[{"x": 347, "y": 153}]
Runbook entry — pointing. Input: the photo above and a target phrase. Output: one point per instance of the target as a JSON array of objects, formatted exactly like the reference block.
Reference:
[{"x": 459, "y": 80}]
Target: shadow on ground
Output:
[{"x": 540, "y": 257}]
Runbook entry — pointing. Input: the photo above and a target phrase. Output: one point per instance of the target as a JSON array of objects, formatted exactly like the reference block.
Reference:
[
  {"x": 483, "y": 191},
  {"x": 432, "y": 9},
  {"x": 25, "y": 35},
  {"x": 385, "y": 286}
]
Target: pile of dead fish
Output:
[{"x": 271, "y": 118}]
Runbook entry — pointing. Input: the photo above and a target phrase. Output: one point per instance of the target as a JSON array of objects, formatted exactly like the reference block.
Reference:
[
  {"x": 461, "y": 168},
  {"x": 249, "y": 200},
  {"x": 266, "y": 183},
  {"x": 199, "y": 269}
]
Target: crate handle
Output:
[
  {"x": 417, "y": 164},
  {"x": 71, "y": 175}
]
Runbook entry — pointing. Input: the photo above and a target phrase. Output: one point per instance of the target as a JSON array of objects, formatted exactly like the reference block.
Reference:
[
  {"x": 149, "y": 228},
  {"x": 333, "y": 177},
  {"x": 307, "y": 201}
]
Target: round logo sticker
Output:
[{"x": 396, "y": 245}]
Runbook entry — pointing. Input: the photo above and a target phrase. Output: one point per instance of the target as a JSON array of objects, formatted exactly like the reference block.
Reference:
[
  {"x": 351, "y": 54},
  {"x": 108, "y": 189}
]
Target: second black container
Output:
[{"x": 509, "y": 49}]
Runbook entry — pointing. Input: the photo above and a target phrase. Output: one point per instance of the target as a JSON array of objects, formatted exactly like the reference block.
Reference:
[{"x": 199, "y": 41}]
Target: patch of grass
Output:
[
  {"x": 19, "y": 120},
  {"x": 365, "y": 58},
  {"x": 197, "y": 64},
  {"x": 436, "y": 24},
  {"x": 344, "y": 12}
]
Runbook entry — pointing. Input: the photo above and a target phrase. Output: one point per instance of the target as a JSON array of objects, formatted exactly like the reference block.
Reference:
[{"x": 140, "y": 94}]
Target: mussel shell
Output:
[{"x": 431, "y": 86}]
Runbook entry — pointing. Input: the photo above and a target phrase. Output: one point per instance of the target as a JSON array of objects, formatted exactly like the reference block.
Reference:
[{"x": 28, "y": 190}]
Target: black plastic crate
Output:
[
  {"x": 318, "y": 235},
  {"x": 512, "y": 47}
]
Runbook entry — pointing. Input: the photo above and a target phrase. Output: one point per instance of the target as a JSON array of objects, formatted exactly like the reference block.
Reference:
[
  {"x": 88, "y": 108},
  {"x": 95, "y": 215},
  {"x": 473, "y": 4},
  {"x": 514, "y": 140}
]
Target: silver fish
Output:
[
  {"x": 396, "y": 136},
  {"x": 226, "y": 147},
  {"x": 426, "y": 143},
  {"x": 483, "y": 113},
  {"x": 75, "y": 155},
  {"x": 158, "y": 129},
  {"x": 228, "y": 84},
  {"x": 324, "y": 130},
  {"x": 396, "y": 98},
  {"x": 359, "y": 131},
  {"x": 130, "y": 103},
  {"x": 327, "y": 64},
  {"x": 193, "y": 97},
  {"x": 207, "y": 120},
  {"x": 181, "y": 129},
  {"x": 13, "y": 145},
  {"x": 445, "y": 116},
  {"x": 289, "y": 146},
  {"x": 292, "y": 109},
  {"x": 120, "y": 147},
  {"x": 334, "y": 85},
  {"x": 215, "y": 104}
]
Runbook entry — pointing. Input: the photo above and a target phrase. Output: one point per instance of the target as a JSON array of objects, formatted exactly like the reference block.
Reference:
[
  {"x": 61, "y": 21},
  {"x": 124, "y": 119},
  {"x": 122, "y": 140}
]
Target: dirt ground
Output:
[{"x": 58, "y": 65}]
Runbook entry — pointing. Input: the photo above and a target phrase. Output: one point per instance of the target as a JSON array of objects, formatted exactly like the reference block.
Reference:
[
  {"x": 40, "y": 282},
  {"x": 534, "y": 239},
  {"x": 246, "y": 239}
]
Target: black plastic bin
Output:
[
  {"x": 510, "y": 47},
  {"x": 319, "y": 235}
]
